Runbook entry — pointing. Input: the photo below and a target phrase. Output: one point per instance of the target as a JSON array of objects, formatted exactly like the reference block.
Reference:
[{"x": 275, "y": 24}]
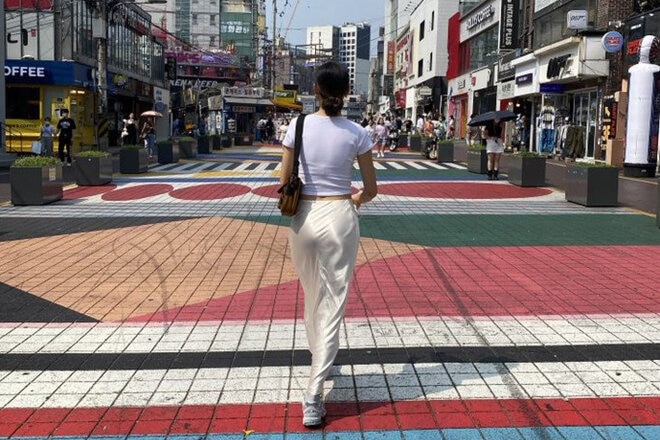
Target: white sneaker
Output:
[{"x": 313, "y": 410}]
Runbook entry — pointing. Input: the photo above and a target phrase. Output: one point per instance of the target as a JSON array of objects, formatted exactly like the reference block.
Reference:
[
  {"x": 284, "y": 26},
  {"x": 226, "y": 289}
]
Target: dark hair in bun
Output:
[{"x": 332, "y": 83}]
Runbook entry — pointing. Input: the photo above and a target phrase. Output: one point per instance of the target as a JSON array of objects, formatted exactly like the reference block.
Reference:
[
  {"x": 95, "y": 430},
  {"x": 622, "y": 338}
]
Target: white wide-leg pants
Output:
[{"x": 324, "y": 241}]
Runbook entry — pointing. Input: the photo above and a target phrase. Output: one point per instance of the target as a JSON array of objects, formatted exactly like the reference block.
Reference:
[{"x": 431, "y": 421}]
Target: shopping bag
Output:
[{"x": 36, "y": 147}]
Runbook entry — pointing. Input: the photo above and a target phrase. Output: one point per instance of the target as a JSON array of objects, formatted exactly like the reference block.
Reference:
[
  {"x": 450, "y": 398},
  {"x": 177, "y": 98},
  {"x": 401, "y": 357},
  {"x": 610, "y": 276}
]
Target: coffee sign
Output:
[{"x": 481, "y": 16}]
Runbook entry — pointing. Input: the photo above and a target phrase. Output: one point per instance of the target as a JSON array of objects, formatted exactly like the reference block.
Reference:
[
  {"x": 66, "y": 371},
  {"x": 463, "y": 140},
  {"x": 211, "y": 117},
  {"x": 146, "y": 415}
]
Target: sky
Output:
[{"x": 324, "y": 12}]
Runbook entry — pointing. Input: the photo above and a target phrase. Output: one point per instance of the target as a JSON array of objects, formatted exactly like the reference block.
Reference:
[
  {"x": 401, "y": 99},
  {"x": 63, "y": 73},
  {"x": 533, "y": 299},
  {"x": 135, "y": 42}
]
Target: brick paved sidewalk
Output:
[{"x": 167, "y": 305}]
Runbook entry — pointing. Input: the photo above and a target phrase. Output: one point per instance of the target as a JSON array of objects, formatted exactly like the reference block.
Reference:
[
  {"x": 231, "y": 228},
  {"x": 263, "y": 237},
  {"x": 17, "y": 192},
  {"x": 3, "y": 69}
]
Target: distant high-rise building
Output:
[
  {"x": 348, "y": 44},
  {"x": 228, "y": 25}
]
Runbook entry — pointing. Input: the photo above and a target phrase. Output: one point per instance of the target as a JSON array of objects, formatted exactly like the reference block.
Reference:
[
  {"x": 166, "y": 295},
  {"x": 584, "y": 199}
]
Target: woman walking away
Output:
[
  {"x": 325, "y": 233},
  {"x": 494, "y": 147},
  {"x": 380, "y": 132}
]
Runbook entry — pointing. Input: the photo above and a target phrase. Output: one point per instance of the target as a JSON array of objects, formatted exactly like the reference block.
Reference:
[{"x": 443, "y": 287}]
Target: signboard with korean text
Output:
[{"x": 509, "y": 21}]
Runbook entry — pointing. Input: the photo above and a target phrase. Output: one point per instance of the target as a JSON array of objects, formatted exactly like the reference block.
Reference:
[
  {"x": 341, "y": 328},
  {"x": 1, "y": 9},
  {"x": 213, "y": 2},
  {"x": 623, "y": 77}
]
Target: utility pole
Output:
[
  {"x": 5, "y": 159},
  {"x": 102, "y": 55},
  {"x": 272, "y": 62}
]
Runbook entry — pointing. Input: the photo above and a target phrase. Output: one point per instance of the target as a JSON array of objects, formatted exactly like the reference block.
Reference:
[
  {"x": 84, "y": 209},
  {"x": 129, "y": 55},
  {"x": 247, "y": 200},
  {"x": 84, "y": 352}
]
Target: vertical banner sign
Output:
[
  {"x": 509, "y": 24},
  {"x": 391, "y": 54}
]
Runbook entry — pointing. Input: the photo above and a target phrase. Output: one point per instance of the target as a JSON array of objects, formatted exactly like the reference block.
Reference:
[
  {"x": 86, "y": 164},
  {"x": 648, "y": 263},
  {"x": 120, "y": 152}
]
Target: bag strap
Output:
[{"x": 298, "y": 143}]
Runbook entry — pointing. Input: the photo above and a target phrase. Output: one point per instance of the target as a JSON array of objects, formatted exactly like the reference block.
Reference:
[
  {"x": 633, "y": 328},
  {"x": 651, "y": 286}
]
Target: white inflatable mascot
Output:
[{"x": 642, "y": 124}]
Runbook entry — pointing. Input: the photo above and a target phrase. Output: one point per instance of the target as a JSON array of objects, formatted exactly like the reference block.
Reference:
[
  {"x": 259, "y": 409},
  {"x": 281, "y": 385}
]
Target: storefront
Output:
[
  {"x": 242, "y": 109},
  {"x": 527, "y": 98},
  {"x": 38, "y": 89},
  {"x": 458, "y": 102},
  {"x": 571, "y": 75}
]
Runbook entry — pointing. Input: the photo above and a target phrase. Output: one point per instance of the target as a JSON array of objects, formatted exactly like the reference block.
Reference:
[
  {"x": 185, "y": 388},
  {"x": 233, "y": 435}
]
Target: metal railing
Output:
[{"x": 13, "y": 139}]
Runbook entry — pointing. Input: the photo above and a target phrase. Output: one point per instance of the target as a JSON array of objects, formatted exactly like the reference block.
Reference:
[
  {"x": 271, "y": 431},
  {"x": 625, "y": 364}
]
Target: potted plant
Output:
[
  {"x": 168, "y": 152},
  {"x": 204, "y": 145},
  {"x": 92, "y": 168},
  {"x": 225, "y": 141},
  {"x": 527, "y": 168},
  {"x": 445, "y": 151},
  {"x": 477, "y": 159},
  {"x": 133, "y": 159},
  {"x": 592, "y": 184},
  {"x": 187, "y": 147},
  {"x": 36, "y": 180}
]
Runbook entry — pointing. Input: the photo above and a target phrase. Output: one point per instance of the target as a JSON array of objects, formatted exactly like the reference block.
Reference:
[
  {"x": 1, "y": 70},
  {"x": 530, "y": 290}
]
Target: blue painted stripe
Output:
[{"x": 640, "y": 432}]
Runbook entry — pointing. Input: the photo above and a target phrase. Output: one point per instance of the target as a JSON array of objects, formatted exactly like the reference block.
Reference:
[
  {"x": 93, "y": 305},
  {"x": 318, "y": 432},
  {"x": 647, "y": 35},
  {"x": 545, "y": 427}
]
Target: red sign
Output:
[
  {"x": 28, "y": 5},
  {"x": 391, "y": 55},
  {"x": 400, "y": 97}
]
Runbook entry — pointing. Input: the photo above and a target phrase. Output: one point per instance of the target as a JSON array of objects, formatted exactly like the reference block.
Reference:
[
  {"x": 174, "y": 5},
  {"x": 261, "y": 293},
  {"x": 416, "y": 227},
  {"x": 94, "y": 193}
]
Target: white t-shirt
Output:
[{"x": 329, "y": 147}]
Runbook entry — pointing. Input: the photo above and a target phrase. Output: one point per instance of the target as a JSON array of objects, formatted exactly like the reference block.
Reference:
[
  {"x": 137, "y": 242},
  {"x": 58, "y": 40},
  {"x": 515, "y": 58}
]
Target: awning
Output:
[
  {"x": 246, "y": 100},
  {"x": 288, "y": 105}
]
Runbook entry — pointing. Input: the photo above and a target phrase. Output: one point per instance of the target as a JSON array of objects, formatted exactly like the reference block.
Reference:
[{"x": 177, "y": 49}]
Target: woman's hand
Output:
[{"x": 356, "y": 199}]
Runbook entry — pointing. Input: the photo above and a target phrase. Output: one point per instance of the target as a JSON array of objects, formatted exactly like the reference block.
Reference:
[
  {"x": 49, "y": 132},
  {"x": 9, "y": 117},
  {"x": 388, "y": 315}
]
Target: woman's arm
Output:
[
  {"x": 368, "y": 172},
  {"x": 287, "y": 164}
]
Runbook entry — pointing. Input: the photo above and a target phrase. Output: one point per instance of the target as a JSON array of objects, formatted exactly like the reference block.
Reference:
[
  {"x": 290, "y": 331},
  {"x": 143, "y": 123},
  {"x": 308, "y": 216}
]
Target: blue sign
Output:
[
  {"x": 55, "y": 73},
  {"x": 612, "y": 41},
  {"x": 524, "y": 79},
  {"x": 551, "y": 88}
]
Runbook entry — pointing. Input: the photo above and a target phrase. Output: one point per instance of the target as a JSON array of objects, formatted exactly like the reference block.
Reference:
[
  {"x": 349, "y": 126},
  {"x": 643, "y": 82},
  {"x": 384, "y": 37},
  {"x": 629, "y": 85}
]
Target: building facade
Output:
[{"x": 58, "y": 68}]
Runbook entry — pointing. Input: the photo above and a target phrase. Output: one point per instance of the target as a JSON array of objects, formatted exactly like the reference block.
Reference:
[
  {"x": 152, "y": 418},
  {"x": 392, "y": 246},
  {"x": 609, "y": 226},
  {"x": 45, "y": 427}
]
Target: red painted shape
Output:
[
  {"x": 474, "y": 413},
  {"x": 460, "y": 190},
  {"x": 269, "y": 191},
  {"x": 137, "y": 192},
  {"x": 82, "y": 192},
  {"x": 211, "y": 191},
  {"x": 462, "y": 281}
]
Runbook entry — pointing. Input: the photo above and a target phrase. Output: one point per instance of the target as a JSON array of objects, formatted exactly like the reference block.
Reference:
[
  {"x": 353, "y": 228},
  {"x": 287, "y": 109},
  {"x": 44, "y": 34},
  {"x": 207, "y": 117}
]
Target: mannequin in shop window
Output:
[{"x": 547, "y": 129}]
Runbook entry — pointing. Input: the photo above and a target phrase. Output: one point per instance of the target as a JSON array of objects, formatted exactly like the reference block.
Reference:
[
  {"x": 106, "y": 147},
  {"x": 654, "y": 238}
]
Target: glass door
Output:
[{"x": 585, "y": 112}]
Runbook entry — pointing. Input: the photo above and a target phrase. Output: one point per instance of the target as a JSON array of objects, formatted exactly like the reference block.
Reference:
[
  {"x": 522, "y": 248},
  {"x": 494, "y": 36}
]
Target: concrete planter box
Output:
[
  {"x": 243, "y": 139},
  {"x": 216, "y": 142},
  {"x": 93, "y": 171},
  {"x": 36, "y": 185},
  {"x": 477, "y": 161},
  {"x": 133, "y": 161},
  {"x": 204, "y": 145},
  {"x": 415, "y": 143},
  {"x": 592, "y": 186},
  {"x": 168, "y": 152},
  {"x": 445, "y": 152},
  {"x": 527, "y": 170},
  {"x": 187, "y": 147}
]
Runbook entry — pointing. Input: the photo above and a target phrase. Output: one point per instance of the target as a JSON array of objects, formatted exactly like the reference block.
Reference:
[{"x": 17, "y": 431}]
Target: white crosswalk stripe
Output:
[{"x": 391, "y": 165}]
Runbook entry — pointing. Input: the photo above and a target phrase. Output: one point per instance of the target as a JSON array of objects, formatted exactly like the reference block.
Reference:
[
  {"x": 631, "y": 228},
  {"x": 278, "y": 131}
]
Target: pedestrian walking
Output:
[
  {"x": 148, "y": 136},
  {"x": 65, "y": 127},
  {"x": 380, "y": 134},
  {"x": 131, "y": 127},
  {"x": 494, "y": 147},
  {"x": 47, "y": 133},
  {"x": 325, "y": 233}
]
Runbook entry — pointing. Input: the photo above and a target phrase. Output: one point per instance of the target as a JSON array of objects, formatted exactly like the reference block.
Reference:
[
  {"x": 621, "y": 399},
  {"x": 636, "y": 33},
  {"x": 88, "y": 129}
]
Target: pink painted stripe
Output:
[
  {"x": 467, "y": 281},
  {"x": 287, "y": 417}
]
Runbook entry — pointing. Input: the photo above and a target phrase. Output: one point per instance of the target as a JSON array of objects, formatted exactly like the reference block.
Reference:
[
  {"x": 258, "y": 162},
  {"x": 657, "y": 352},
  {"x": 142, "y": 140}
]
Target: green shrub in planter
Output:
[
  {"x": 36, "y": 180},
  {"x": 92, "y": 168},
  {"x": 415, "y": 142},
  {"x": 527, "y": 168},
  {"x": 133, "y": 159}
]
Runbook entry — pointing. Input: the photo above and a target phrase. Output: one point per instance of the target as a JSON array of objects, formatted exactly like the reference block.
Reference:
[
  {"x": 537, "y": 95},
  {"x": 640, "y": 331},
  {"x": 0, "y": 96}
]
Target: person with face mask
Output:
[{"x": 47, "y": 132}]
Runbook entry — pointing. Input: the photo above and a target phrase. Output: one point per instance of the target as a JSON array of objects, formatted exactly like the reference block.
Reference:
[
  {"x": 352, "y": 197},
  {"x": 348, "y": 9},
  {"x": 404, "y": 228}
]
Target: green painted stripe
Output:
[{"x": 505, "y": 230}]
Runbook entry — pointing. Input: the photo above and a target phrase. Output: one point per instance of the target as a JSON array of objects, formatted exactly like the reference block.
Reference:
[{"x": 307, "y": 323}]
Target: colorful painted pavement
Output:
[{"x": 166, "y": 305}]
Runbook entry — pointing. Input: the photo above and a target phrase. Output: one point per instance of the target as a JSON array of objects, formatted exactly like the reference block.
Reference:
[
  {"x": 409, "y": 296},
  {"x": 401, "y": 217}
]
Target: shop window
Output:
[{"x": 22, "y": 102}]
